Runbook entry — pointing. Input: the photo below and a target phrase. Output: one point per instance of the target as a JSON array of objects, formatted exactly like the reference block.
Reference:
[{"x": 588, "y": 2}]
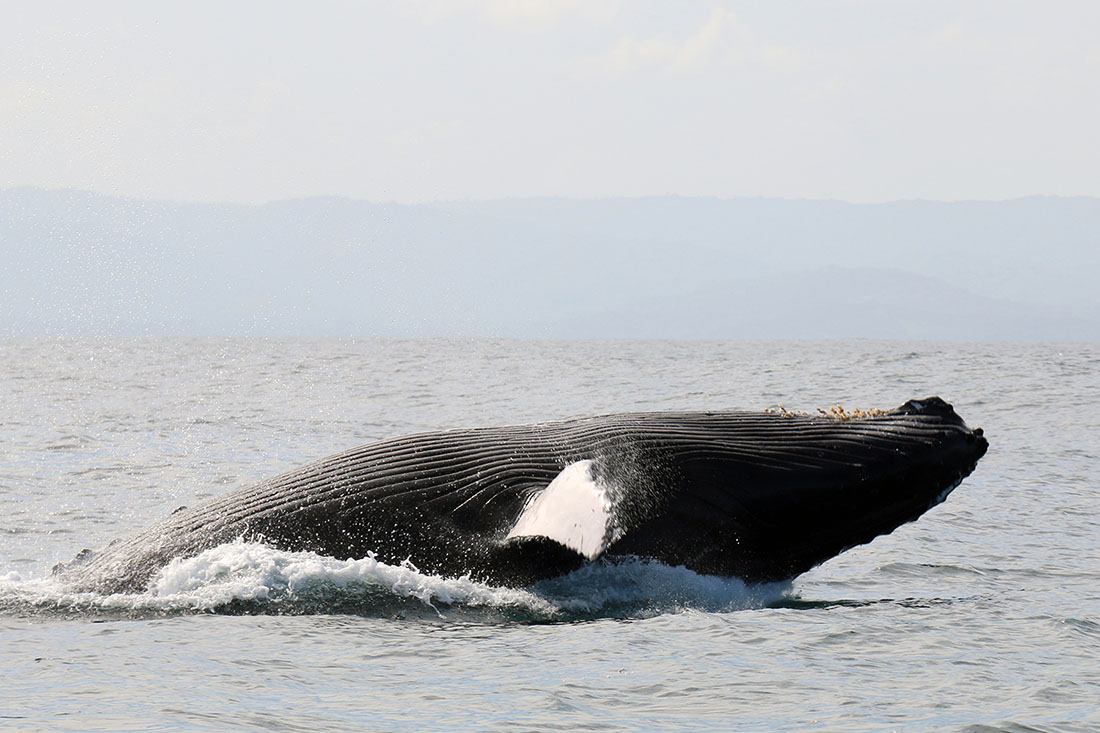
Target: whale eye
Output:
[{"x": 573, "y": 510}]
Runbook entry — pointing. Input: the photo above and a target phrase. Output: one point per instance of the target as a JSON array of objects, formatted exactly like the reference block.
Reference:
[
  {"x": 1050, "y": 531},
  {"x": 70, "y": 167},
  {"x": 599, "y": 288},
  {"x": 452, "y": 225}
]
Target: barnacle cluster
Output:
[
  {"x": 840, "y": 413},
  {"x": 836, "y": 411}
]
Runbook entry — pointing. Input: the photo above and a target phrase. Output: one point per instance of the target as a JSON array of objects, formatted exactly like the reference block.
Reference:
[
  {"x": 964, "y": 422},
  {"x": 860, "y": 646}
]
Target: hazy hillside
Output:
[{"x": 77, "y": 263}]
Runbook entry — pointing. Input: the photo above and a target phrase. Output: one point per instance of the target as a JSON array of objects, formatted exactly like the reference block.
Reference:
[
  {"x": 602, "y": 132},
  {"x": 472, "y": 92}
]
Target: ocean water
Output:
[{"x": 984, "y": 615}]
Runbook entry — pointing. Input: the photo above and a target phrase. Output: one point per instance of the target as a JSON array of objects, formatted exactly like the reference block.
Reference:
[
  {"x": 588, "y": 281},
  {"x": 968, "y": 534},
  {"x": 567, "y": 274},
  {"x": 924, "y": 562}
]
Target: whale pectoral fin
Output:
[
  {"x": 574, "y": 511},
  {"x": 525, "y": 560},
  {"x": 563, "y": 526}
]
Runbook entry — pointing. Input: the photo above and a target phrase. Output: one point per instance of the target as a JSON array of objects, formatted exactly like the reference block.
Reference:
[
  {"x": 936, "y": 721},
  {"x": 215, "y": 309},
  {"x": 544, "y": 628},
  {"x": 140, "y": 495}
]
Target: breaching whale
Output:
[{"x": 763, "y": 496}]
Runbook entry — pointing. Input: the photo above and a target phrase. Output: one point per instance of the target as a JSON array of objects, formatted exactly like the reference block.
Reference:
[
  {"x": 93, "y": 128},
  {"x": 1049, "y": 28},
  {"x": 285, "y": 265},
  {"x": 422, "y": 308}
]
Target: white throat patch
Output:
[{"x": 572, "y": 510}]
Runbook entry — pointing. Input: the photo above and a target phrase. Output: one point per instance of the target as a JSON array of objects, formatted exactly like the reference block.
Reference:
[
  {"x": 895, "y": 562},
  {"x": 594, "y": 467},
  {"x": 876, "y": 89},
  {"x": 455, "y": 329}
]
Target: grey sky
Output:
[{"x": 453, "y": 99}]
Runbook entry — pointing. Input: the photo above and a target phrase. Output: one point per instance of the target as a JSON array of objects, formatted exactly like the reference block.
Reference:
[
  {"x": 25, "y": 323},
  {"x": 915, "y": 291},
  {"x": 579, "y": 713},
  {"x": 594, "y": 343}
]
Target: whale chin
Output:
[{"x": 762, "y": 496}]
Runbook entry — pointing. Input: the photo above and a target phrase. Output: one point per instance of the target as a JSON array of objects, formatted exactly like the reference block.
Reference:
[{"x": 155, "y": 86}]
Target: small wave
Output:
[
  {"x": 799, "y": 604},
  {"x": 908, "y": 569},
  {"x": 68, "y": 442},
  {"x": 251, "y": 578}
]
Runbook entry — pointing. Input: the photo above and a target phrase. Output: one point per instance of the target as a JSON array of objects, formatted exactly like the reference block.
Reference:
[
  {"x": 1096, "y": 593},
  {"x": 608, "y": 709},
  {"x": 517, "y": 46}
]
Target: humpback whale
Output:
[{"x": 763, "y": 496}]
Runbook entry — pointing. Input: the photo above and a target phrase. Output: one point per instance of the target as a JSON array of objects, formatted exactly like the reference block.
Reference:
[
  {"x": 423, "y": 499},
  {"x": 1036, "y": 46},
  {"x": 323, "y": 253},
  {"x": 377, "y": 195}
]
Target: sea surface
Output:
[{"x": 984, "y": 615}]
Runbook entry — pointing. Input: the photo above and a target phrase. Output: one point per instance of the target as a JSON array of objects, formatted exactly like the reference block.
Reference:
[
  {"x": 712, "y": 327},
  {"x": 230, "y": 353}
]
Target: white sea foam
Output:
[
  {"x": 655, "y": 587},
  {"x": 244, "y": 571},
  {"x": 270, "y": 580}
]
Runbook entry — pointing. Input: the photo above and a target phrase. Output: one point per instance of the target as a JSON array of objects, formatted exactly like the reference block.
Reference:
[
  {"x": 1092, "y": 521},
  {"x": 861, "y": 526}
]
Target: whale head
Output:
[{"x": 803, "y": 489}]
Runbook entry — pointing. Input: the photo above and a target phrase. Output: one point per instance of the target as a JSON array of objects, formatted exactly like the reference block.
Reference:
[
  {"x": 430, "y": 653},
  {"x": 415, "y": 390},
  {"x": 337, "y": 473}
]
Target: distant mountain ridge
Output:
[{"x": 83, "y": 264}]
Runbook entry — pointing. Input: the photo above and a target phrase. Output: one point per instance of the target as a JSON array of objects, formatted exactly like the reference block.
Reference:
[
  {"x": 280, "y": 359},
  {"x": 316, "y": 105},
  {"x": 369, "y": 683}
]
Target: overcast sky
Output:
[{"x": 455, "y": 99}]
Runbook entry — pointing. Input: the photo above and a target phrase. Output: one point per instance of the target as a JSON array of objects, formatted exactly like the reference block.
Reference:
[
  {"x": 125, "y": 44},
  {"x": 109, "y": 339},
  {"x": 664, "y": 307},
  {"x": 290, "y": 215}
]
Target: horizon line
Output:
[{"x": 546, "y": 197}]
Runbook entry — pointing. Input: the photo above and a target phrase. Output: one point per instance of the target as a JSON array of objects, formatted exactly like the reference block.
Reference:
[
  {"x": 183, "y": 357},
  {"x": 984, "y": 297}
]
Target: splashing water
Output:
[{"x": 251, "y": 578}]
